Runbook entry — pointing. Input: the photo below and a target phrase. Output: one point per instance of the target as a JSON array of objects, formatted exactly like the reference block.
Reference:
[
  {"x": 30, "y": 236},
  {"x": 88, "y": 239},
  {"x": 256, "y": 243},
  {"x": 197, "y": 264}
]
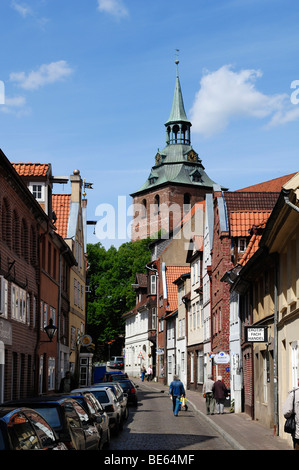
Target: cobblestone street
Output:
[{"x": 152, "y": 426}]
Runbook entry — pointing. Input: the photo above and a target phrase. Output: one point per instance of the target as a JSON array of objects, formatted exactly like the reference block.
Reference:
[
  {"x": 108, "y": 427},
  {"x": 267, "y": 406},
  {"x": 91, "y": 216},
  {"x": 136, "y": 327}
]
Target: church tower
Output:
[{"x": 176, "y": 181}]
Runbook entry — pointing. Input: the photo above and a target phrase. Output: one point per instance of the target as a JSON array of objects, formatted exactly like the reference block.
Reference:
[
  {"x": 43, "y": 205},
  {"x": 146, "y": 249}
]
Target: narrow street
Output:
[{"x": 152, "y": 426}]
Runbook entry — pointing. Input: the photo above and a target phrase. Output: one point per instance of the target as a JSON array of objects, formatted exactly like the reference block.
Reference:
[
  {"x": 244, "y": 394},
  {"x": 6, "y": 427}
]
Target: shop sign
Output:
[{"x": 254, "y": 334}]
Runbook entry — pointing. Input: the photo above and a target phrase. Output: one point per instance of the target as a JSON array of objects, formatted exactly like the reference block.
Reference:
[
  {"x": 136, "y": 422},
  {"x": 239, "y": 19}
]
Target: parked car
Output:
[
  {"x": 130, "y": 389},
  {"x": 116, "y": 362},
  {"x": 96, "y": 413},
  {"x": 121, "y": 397},
  {"x": 26, "y": 429},
  {"x": 68, "y": 419},
  {"x": 108, "y": 377},
  {"x": 110, "y": 404}
]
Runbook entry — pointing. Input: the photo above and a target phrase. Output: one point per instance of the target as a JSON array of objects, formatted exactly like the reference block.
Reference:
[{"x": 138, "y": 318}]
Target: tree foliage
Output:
[{"x": 110, "y": 275}]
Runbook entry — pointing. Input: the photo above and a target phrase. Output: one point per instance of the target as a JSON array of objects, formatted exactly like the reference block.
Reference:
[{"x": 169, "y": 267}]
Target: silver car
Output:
[{"x": 110, "y": 404}]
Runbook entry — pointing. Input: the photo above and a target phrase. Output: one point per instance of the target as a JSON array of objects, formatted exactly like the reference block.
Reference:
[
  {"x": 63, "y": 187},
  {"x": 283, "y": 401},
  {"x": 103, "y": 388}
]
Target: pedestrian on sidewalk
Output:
[
  {"x": 208, "y": 395},
  {"x": 176, "y": 391},
  {"x": 290, "y": 406},
  {"x": 143, "y": 371},
  {"x": 149, "y": 373},
  {"x": 220, "y": 392}
]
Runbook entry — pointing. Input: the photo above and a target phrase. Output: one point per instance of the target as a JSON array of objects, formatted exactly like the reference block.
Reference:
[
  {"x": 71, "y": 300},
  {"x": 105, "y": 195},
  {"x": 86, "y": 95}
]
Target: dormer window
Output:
[
  {"x": 242, "y": 244},
  {"x": 37, "y": 190},
  {"x": 196, "y": 177}
]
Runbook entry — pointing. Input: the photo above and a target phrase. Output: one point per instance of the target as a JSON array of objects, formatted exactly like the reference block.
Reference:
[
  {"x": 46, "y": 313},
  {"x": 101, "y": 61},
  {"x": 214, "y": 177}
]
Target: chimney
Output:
[{"x": 76, "y": 185}]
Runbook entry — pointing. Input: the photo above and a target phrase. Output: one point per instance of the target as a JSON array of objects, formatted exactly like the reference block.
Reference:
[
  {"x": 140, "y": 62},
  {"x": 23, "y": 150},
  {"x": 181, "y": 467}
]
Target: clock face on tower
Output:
[{"x": 192, "y": 156}]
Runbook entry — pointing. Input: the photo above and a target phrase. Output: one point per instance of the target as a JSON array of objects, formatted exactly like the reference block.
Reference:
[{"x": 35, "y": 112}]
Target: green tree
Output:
[{"x": 110, "y": 275}]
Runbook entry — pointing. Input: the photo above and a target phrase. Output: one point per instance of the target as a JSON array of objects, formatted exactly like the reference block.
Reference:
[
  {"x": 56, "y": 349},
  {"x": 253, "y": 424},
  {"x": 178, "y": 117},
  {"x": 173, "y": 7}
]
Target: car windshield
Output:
[
  {"x": 101, "y": 395},
  {"x": 50, "y": 414}
]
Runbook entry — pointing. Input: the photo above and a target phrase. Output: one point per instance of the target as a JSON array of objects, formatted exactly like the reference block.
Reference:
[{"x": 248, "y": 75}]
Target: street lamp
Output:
[{"x": 50, "y": 330}]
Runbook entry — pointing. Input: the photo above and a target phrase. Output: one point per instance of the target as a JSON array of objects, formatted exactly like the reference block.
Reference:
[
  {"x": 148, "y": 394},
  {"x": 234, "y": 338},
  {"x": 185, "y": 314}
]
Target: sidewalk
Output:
[{"x": 237, "y": 428}]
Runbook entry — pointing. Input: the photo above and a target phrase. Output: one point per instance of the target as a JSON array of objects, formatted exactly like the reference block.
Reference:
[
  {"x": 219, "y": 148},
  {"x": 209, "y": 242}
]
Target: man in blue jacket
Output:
[{"x": 176, "y": 390}]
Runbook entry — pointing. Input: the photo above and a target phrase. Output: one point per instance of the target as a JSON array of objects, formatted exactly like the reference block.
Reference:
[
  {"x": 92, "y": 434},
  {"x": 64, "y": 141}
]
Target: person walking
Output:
[
  {"x": 142, "y": 373},
  {"x": 208, "y": 395},
  {"x": 176, "y": 391},
  {"x": 220, "y": 392},
  {"x": 290, "y": 406},
  {"x": 149, "y": 373}
]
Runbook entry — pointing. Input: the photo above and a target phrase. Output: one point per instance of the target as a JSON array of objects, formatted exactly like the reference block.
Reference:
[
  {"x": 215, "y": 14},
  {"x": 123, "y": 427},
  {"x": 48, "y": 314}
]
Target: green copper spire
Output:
[{"x": 178, "y": 126}]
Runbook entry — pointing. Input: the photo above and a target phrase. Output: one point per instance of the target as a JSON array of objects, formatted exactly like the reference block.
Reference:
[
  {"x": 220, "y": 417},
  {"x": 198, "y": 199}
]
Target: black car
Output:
[
  {"x": 130, "y": 389},
  {"x": 121, "y": 397},
  {"x": 26, "y": 429},
  {"x": 68, "y": 419},
  {"x": 109, "y": 376},
  {"x": 96, "y": 413}
]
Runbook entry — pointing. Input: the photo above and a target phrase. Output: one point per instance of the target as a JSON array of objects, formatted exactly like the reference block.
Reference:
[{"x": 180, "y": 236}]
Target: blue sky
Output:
[{"x": 89, "y": 85}]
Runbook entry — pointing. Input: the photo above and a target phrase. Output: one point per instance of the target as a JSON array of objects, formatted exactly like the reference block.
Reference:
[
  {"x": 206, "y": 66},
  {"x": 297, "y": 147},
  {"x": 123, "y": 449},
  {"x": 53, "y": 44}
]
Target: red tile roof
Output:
[
  {"x": 242, "y": 221},
  {"x": 172, "y": 273},
  {"x": 274, "y": 185},
  {"x": 252, "y": 247},
  {"x": 31, "y": 169},
  {"x": 61, "y": 207},
  {"x": 250, "y": 201}
]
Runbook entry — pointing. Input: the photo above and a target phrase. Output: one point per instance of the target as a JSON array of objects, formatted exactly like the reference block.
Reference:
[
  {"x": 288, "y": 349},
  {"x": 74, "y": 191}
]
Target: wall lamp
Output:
[{"x": 50, "y": 330}]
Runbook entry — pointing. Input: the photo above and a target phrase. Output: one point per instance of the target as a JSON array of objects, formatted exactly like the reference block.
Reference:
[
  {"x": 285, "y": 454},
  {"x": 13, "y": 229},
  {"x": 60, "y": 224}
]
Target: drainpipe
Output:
[{"x": 275, "y": 361}]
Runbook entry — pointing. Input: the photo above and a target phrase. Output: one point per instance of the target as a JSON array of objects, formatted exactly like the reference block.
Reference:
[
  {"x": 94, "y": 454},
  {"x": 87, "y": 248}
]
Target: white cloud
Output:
[
  {"x": 113, "y": 7},
  {"x": 225, "y": 95},
  {"x": 16, "y": 106},
  {"x": 47, "y": 73},
  {"x": 23, "y": 9}
]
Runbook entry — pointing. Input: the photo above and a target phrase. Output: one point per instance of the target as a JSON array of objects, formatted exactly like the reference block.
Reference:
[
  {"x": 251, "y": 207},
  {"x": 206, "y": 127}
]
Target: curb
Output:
[{"x": 218, "y": 428}]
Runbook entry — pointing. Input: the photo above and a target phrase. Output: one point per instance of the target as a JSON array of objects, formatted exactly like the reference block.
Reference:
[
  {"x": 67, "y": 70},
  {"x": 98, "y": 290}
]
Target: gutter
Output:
[{"x": 286, "y": 193}]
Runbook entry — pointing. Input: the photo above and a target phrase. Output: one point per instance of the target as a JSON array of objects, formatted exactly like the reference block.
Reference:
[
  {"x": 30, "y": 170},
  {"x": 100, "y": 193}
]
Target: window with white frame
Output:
[
  {"x": 51, "y": 373},
  {"x": 182, "y": 361},
  {"x": 75, "y": 292},
  {"x": 53, "y": 314},
  {"x": 153, "y": 285},
  {"x": 3, "y": 297},
  {"x": 242, "y": 244},
  {"x": 192, "y": 367},
  {"x": 45, "y": 316},
  {"x": 18, "y": 303},
  {"x": 37, "y": 191},
  {"x": 154, "y": 318},
  {"x": 200, "y": 367}
]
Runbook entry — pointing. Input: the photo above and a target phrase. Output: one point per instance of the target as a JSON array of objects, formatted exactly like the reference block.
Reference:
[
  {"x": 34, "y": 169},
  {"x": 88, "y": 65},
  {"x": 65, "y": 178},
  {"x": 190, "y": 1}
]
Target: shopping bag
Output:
[{"x": 290, "y": 425}]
